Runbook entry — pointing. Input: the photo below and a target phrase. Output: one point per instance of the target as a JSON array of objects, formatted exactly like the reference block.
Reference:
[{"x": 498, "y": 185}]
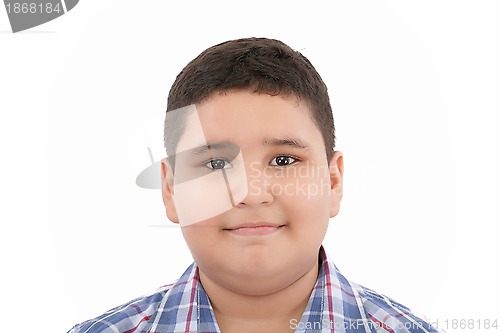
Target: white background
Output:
[{"x": 415, "y": 91}]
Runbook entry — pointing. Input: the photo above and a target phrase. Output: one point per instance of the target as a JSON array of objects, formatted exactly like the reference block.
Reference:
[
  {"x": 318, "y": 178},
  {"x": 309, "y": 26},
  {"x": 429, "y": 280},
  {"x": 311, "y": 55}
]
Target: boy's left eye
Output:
[{"x": 283, "y": 160}]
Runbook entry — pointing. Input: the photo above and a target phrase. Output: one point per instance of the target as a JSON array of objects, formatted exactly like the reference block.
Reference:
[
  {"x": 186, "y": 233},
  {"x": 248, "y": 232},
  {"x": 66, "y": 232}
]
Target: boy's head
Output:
[{"x": 256, "y": 178}]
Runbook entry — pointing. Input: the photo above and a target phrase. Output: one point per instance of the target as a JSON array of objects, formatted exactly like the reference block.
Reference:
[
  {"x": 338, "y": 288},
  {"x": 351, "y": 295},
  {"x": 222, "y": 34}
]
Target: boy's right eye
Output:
[{"x": 218, "y": 164}]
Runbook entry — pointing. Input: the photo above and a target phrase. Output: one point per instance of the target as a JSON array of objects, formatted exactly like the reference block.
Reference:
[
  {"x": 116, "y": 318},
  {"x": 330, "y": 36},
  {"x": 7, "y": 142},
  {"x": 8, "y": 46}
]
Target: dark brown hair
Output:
[{"x": 261, "y": 65}]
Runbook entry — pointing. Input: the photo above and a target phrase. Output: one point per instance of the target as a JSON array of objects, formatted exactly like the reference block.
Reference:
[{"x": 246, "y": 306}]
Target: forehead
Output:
[{"x": 249, "y": 119}]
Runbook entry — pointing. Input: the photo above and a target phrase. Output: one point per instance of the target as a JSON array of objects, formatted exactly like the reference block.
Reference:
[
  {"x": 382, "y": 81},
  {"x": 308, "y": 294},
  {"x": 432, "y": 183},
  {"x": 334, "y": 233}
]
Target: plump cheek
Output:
[
  {"x": 201, "y": 199},
  {"x": 307, "y": 220},
  {"x": 203, "y": 239},
  {"x": 306, "y": 202}
]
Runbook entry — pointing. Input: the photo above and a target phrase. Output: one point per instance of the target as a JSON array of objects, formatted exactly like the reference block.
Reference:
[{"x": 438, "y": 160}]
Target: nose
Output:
[{"x": 258, "y": 185}]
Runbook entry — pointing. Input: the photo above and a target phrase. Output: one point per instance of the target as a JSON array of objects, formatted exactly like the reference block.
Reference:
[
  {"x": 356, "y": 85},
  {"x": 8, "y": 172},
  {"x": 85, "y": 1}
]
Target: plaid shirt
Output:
[{"x": 335, "y": 305}]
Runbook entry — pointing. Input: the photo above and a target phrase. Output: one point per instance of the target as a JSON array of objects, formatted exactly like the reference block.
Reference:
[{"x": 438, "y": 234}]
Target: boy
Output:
[{"x": 252, "y": 177}]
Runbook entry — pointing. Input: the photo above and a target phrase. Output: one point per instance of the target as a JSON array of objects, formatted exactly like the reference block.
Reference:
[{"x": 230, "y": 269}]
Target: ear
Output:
[
  {"x": 336, "y": 168},
  {"x": 167, "y": 190}
]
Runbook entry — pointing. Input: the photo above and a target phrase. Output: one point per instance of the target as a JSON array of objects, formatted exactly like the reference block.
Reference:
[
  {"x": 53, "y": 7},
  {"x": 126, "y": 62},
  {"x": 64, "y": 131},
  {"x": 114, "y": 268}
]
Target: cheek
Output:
[
  {"x": 201, "y": 238},
  {"x": 200, "y": 199},
  {"x": 306, "y": 202},
  {"x": 307, "y": 194}
]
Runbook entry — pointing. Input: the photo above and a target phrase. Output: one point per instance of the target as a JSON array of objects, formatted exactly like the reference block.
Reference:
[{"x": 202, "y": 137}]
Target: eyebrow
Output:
[
  {"x": 203, "y": 149},
  {"x": 221, "y": 145},
  {"x": 292, "y": 142}
]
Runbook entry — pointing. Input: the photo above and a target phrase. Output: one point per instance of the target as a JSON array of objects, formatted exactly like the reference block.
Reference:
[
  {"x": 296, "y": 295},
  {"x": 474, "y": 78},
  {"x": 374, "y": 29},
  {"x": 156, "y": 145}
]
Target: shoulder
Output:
[
  {"x": 366, "y": 310},
  {"x": 127, "y": 317},
  {"x": 139, "y": 314},
  {"x": 385, "y": 314}
]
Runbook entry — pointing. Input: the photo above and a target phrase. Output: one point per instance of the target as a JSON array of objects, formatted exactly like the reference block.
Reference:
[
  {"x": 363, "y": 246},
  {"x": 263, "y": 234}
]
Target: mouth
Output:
[{"x": 255, "y": 229}]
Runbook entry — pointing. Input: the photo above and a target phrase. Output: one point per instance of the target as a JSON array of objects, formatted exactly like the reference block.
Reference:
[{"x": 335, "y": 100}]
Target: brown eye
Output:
[{"x": 283, "y": 160}]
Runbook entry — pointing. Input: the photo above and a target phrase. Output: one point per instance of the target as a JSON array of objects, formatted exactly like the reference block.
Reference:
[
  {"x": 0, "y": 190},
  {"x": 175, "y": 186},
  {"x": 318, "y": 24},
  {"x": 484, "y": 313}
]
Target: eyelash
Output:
[{"x": 295, "y": 160}]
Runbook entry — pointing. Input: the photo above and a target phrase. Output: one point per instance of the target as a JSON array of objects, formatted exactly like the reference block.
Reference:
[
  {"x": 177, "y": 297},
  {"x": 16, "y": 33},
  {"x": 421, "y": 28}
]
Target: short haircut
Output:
[{"x": 260, "y": 65}]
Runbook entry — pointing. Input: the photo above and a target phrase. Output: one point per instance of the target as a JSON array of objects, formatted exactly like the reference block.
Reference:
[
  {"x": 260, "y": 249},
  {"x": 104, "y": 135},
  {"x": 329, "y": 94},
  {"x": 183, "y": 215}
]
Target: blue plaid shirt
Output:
[{"x": 335, "y": 305}]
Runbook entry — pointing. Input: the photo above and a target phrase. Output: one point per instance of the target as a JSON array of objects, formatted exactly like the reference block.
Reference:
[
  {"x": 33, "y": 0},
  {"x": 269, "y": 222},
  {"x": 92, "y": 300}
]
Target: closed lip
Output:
[{"x": 256, "y": 225}]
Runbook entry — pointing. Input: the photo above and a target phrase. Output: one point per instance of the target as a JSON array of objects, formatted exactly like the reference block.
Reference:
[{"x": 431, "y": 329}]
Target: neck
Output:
[{"x": 282, "y": 305}]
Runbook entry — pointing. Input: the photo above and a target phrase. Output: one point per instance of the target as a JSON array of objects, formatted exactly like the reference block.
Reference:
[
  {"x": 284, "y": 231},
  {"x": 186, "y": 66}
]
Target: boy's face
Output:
[{"x": 263, "y": 193}]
